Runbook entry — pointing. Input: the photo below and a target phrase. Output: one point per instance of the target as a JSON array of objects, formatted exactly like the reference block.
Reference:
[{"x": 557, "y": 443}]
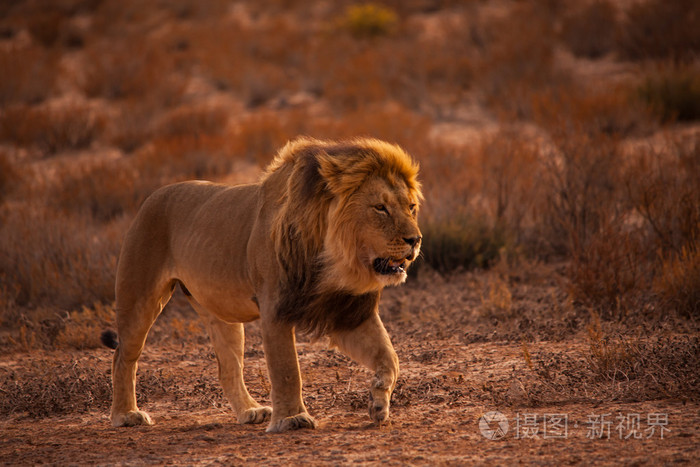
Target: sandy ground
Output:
[{"x": 456, "y": 368}]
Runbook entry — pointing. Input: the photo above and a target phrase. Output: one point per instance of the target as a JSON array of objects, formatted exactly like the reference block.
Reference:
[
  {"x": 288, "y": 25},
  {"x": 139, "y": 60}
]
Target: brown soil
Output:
[{"x": 461, "y": 357}]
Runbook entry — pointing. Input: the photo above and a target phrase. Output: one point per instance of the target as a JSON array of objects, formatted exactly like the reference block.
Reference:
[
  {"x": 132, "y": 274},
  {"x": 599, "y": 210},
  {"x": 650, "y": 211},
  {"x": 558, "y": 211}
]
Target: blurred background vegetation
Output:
[{"x": 559, "y": 132}]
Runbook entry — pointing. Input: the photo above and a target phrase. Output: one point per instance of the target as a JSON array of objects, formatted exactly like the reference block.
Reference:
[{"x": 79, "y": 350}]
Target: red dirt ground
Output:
[{"x": 458, "y": 362}]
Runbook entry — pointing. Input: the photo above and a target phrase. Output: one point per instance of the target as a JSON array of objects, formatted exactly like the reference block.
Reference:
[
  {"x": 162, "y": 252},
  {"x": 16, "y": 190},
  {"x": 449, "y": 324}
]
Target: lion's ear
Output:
[{"x": 337, "y": 173}]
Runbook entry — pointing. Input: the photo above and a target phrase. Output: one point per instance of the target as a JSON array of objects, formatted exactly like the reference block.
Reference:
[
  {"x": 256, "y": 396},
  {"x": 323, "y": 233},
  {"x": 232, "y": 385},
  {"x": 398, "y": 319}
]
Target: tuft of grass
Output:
[
  {"x": 673, "y": 92},
  {"x": 460, "y": 242},
  {"x": 51, "y": 129},
  {"x": 499, "y": 300},
  {"x": 678, "y": 284},
  {"x": 81, "y": 328},
  {"x": 369, "y": 20}
]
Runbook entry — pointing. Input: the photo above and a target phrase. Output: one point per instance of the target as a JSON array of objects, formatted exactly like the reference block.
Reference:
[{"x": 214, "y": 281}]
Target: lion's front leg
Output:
[
  {"x": 369, "y": 344},
  {"x": 288, "y": 409}
]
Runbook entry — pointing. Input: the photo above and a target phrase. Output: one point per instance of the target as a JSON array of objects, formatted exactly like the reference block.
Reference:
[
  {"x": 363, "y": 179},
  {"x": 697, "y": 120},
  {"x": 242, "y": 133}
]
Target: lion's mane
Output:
[{"x": 316, "y": 175}]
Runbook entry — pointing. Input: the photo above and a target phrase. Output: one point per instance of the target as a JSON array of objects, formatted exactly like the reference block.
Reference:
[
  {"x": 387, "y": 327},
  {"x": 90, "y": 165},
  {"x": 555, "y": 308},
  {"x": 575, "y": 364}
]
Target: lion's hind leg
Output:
[
  {"x": 137, "y": 310},
  {"x": 228, "y": 341}
]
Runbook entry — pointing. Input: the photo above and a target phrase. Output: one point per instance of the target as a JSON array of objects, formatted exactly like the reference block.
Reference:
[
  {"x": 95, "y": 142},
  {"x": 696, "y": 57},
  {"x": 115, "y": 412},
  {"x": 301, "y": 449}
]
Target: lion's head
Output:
[{"x": 348, "y": 213}]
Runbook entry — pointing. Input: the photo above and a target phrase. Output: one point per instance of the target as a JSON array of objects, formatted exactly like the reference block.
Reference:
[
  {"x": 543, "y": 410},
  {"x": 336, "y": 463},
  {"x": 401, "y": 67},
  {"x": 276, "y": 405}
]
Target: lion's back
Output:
[{"x": 188, "y": 221}]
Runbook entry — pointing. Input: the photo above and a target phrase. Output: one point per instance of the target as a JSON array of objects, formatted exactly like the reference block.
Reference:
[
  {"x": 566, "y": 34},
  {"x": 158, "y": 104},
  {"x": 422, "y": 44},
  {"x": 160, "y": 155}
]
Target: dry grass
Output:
[
  {"x": 673, "y": 92},
  {"x": 47, "y": 389},
  {"x": 129, "y": 97},
  {"x": 661, "y": 29},
  {"x": 133, "y": 68},
  {"x": 32, "y": 76},
  {"x": 51, "y": 129},
  {"x": 589, "y": 29},
  {"x": 368, "y": 20},
  {"x": 58, "y": 260},
  {"x": 678, "y": 283},
  {"x": 9, "y": 175}
]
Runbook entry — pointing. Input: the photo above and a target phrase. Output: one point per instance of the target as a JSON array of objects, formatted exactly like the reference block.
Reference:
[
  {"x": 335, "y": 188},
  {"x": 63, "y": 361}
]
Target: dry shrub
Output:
[
  {"x": 646, "y": 369},
  {"x": 193, "y": 120},
  {"x": 101, "y": 190},
  {"x": 28, "y": 74},
  {"x": 589, "y": 29},
  {"x": 518, "y": 58},
  {"x": 188, "y": 142},
  {"x": 450, "y": 180},
  {"x": 609, "y": 110},
  {"x": 9, "y": 175},
  {"x": 618, "y": 369},
  {"x": 254, "y": 63},
  {"x": 460, "y": 241},
  {"x": 678, "y": 284},
  {"x": 584, "y": 218},
  {"x": 257, "y": 137},
  {"x": 610, "y": 270},
  {"x": 672, "y": 92},
  {"x": 581, "y": 175},
  {"x": 81, "y": 329},
  {"x": 51, "y": 129},
  {"x": 509, "y": 166},
  {"x": 584, "y": 211},
  {"x": 175, "y": 158},
  {"x": 356, "y": 80},
  {"x": 57, "y": 260},
  {"x": 48, "y": 388},
  {"x": 132, "y": 126},
  {"x": 44, "y": 389},
  {"x": 392, "y": 123},
  {"x": 407, "y": 68},
  {"x": 663, "y": 185},
  {"x": 132, "y": 67},
  {"x": 661, "y": 29}
]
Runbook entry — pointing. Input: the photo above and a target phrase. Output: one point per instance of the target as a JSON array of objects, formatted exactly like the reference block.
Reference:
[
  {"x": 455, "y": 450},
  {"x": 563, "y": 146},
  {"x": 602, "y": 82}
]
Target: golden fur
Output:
[{"x": 309, "y": 247}]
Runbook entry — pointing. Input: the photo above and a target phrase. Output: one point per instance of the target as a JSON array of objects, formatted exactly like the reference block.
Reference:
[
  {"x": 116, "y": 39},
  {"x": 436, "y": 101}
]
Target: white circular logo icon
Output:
[{"x": 493, "y": 425}]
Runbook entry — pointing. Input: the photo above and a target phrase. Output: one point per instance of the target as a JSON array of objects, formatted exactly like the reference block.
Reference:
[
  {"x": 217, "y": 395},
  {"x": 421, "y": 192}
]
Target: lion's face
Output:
[{"x": 378, "y": 228}]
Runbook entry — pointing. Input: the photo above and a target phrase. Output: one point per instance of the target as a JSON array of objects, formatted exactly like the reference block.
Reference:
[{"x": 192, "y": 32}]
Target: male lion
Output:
[{"x": 310, "y": 246}]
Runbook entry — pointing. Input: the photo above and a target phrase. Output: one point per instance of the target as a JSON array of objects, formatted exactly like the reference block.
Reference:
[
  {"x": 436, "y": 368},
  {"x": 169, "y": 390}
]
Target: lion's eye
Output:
[
  {"x": 412, "y": 207},
  {"x": 381, "y": 208}
]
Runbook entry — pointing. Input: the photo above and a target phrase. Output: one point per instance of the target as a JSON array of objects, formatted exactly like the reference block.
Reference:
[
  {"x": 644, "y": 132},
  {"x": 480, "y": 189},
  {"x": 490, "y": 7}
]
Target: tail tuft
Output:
[{"x": 109, "y": 339}]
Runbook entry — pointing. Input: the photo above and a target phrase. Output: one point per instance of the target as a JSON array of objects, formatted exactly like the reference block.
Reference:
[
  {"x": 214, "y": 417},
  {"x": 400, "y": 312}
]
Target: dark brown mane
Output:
[{"x": 318, "y": 313}]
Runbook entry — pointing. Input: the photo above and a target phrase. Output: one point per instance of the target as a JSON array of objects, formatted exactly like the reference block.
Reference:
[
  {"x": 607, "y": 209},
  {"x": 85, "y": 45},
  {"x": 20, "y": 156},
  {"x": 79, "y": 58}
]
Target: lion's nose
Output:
[{"x": 413, "y": 241}]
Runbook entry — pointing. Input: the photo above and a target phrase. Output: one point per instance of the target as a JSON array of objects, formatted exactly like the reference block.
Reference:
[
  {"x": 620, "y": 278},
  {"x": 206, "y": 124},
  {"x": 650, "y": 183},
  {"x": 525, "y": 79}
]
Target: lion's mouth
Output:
[{"x": 389, "y": 266}]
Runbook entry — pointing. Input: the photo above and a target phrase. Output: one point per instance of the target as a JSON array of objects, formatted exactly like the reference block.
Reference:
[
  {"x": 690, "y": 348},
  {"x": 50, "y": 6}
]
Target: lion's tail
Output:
[{"x": 109, "y": 339}]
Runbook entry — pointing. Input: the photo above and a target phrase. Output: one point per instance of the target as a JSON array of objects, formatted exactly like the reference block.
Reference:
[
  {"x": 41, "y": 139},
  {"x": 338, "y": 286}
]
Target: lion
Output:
[{"x": 309, "y": 247}]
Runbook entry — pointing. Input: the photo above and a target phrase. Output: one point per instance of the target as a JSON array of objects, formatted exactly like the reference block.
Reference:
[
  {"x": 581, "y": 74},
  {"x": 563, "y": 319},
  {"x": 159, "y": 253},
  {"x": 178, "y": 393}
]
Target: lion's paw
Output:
[
  {"x": 255, "y": 415},
  {"x": 132, "y": 418},
  {"x": 295, "y": 422}
]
